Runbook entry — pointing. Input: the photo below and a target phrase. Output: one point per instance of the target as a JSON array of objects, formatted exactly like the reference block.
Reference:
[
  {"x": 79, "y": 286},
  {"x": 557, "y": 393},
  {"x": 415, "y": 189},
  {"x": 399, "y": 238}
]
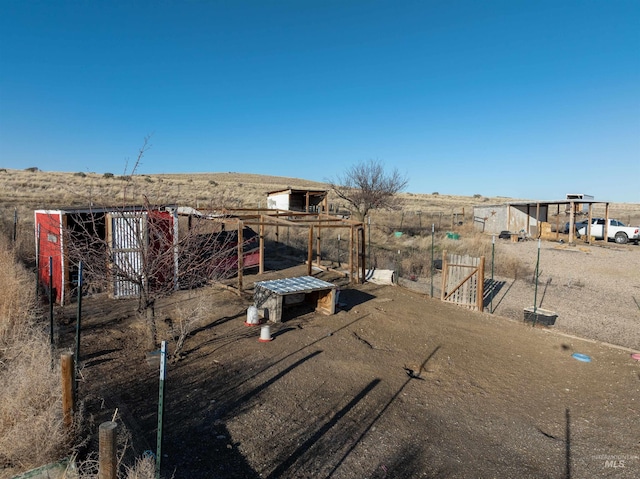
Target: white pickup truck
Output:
[{"x": 617, "y": 231}]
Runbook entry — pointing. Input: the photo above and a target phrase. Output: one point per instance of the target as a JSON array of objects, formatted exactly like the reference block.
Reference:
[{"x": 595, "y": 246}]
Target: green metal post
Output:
[
  {"x": 433, "y": 229},
  {"x": 493, "y": 255},
  {"x": 15, "y": 224},
  {"x": 535, "y": 294},
  {"x": 78, "y": 321},
  {"x": 163, "y": 365},
  {"x": 51, "y": 308}
]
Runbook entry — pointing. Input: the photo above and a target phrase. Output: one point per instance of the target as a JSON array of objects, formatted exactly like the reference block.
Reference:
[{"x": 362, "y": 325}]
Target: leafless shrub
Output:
[
  {"x": 186, "y": 319},
  {"x": 144, "y": 468}
]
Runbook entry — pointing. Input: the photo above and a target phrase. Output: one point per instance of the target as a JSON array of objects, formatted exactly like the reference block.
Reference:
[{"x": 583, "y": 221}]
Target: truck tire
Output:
[{"x": 621, "y": 238}]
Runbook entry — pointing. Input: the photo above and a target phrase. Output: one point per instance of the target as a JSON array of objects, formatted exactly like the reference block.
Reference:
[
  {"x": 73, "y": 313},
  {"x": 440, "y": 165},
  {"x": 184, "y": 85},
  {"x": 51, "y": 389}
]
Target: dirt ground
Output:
[{"x": 395, "y": 385}]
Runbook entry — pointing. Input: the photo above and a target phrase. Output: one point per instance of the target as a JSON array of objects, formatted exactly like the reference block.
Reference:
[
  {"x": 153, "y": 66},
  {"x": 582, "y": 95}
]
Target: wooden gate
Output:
[{"x": 463, "y": 280}]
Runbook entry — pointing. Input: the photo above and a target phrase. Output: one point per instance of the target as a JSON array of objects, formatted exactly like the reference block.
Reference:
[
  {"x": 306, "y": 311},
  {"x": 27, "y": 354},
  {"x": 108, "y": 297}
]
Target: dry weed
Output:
[
  {"x": 16, "y": 307},
  {"x": 31, "y": 431}
]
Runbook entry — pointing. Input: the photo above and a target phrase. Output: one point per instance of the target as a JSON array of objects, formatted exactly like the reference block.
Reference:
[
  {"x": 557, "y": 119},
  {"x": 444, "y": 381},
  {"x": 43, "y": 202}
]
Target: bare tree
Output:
[
  {"x": 148, "y": 251},
  {"x": 366, "y": 186}
]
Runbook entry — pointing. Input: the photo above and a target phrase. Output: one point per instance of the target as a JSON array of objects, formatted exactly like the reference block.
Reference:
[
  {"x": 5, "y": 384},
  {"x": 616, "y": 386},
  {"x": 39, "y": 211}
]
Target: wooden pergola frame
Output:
[{"x": 315, "y": 222}]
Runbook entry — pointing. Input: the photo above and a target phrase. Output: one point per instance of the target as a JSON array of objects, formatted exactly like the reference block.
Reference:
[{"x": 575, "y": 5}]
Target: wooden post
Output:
[
  {"x": 445, "y": 269},
  {"x": 107, "y": 467},
  {"x": 590, "y": 226},
  {"x": 310, "y": 251},
  {"x": 318, "y": 250},
  {"x": 67, "y": 369},
  {"x": 363, "y": 255},
  {"x": 572, "y": 221},
  {"x": 261, "y": 265},
  {"x": 351, "y": 278},
  {"x": 480, "y": 289},
  {"x": 538, "y": 232}
]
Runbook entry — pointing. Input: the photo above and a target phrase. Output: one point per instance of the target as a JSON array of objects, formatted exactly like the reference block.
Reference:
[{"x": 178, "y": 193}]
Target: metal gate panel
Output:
[{"x": 127, "y": 242}]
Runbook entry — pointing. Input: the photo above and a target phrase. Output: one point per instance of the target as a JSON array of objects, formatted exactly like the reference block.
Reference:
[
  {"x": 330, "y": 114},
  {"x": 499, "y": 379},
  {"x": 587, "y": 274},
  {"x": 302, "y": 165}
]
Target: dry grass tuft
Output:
[
  {"x": 144, "y": 468},
  {"x": 16, "y": 308},
  {"x": 31, "y": 431}
]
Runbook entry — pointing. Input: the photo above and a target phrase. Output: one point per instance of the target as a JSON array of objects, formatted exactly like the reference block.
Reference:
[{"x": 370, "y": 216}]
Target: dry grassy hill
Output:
[{"x": 28, "y": 190}]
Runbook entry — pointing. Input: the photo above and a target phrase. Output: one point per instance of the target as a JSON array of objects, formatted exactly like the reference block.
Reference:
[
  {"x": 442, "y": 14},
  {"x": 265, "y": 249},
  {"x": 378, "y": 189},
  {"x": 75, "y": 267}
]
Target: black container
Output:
[{"x": 541, "y": 316}]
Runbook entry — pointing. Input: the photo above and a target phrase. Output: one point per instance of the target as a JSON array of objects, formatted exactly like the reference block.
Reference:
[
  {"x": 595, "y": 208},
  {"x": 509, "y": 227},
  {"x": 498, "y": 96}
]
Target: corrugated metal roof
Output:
[{"x": 295, "y": 285}]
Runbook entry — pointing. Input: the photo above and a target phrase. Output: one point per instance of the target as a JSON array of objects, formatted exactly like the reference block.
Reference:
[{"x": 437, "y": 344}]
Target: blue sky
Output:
[{"x": 526, "y": 99}]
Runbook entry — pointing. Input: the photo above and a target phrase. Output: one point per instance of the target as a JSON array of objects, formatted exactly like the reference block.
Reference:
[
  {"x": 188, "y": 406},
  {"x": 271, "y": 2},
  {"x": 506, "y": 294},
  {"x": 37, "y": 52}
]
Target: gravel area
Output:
[{"x": 594, "y": 289}]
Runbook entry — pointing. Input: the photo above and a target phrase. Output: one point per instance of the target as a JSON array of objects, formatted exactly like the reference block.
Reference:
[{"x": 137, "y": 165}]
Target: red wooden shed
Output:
[{"x": 117, "y": 235}]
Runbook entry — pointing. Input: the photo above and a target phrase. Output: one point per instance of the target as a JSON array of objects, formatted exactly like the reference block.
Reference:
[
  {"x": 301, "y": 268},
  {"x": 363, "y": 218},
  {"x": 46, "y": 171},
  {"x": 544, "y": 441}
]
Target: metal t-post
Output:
[
  {"x": 51, "y": 340},
  {"x": 493, "y": 286},
  {"x": 433, "y": 229},
  {"x": 163, "y": 365},
  {"x": 535, "y": 294},
  {"x": 78, "y": 321}
]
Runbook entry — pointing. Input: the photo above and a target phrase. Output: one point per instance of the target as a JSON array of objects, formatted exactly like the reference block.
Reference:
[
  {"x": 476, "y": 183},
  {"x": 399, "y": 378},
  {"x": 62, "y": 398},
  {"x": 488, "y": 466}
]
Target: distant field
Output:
[{"x": 28, "y": 190}]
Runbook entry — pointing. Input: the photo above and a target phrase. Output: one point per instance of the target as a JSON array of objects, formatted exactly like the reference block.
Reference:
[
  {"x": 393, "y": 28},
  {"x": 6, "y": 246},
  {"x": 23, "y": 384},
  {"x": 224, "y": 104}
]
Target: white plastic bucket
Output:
[
  {"x": 265, "y": 334},
  {"x": 252, "y": 316}
]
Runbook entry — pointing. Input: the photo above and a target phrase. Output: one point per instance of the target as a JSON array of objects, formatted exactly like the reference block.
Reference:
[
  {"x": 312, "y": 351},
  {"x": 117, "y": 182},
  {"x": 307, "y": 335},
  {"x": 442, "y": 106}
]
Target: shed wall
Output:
[
  {"x": 49, "y": 240},
  {"x": 491, "y": 219},
  {"x": 278, "y": 202}
]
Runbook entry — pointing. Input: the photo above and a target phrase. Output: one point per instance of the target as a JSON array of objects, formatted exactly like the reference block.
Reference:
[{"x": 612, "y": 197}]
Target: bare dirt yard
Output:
[{"x": 395, "y": 385}]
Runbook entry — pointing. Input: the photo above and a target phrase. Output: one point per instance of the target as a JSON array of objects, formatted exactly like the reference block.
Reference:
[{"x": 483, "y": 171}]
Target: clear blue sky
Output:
[{"x": 527, "y": 99}]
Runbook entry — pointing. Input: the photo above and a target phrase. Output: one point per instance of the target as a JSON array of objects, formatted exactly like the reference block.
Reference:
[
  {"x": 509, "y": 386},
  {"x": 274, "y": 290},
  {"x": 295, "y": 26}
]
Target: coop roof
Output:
[{"x": 291, "y": 191}]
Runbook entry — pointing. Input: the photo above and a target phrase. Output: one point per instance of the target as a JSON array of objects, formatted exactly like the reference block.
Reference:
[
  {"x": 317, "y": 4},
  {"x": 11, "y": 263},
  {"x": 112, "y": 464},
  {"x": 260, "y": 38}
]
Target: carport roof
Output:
[{"x": 546, "y": 202}]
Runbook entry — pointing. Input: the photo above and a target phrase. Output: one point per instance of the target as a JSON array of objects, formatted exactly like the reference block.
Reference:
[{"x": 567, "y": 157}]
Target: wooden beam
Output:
[
  {"x": 467, "y": 278},
  {"x": 261, "y": 264},
  {"x": 480, "y": 288},
  {"x": 589, "y": 226},
  {"x": 445, "y": 268},
  {"x": 318, "y": 241},
  {"x": 363, "y": 255},
  {"x": 310, "y": 251},
  {"x": 351, "y": 278}
]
